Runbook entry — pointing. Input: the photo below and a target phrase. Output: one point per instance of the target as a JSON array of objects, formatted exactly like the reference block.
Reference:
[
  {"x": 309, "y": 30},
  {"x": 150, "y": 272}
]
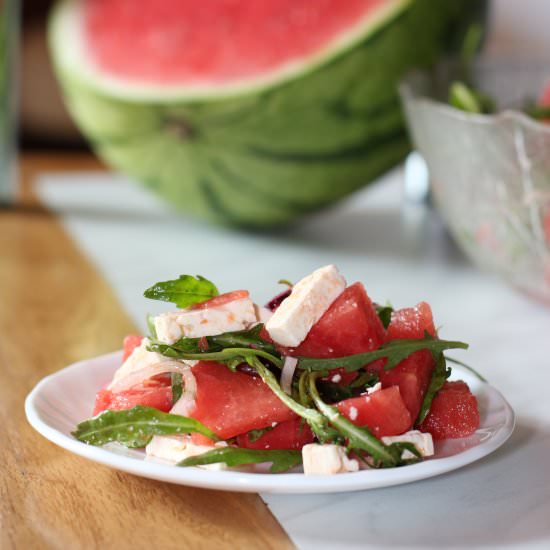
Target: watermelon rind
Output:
[{"x": 269, "y": 151}]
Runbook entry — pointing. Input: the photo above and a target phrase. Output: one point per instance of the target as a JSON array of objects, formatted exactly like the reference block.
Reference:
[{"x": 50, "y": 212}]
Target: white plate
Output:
[{"x": 64, "y": 399}]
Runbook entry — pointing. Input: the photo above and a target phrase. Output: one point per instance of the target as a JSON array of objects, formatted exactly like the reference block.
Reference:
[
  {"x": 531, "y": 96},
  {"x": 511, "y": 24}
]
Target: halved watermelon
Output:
[
  {"x": 349, "y": 326},
  {"x": 248, "y": 112},
  {"x": 233, "y": 403},
  {"x": 292, "y": 434},
  {"x": 383, "y": 412},
  {"x": 454, "y": 412}
]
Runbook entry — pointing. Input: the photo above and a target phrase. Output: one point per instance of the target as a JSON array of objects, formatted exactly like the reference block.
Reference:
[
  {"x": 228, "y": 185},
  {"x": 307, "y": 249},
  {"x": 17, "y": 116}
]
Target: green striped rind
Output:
[{"x": 265, "y": 158}]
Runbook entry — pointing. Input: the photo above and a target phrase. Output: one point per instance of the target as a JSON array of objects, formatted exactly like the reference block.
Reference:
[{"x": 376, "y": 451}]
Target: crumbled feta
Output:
[
  {"x": 175, "y": 448},
  {"x": 353, "y": 413},
  {"x": 307, "y": 303},
  {"x": 138, "y": 359},
  {"x": 327, "y": 460},
  {"x": 194, "y": 323},
  {"x": 375, "y": 388},
  {"x": 336, "y": 378},
  {"x": 422, "y": 441}
]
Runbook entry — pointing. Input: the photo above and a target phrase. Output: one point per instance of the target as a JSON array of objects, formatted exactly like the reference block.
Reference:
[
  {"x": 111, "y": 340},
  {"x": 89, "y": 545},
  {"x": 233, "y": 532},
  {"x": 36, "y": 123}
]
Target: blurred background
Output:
[{"x": 514, "y": 29}]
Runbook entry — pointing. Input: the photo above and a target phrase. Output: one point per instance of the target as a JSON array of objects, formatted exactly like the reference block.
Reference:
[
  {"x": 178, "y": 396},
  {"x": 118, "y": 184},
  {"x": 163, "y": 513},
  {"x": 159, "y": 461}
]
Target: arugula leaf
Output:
[
  {"x": 538, "y": 112},
  {"x": 241, "y": 342},
  {"x": 281, "y": 461},
  {"x": 358, "y": 437},
  {"x": 177, "y": 382},
  {"x": 135, "y": 427},
  {"x": 394, "y": 351},
  {"x": 333, "y": 392},
  {"x": 184, "y": 291},
  {"x": 384, "y": 314},
  {"x": 365, "y": 379},
  {"x": 439, "y": 376},
  {"x": 317, "y": 422},
  {"x": 467, "y": 367},
  {"x": 254, "y": 435},
  {"x": 230, "y": 356},
  {"x": 464, "y": 98}
]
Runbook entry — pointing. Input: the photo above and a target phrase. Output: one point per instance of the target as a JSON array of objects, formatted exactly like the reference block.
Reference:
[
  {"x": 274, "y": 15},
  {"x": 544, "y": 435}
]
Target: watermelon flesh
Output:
[
  {"x": 213, "y": 41},
  {"x": 292, "y": 434},
  {"x": 233, "y": 403},
  {"x": 383, "y": 412},
  {"x": 412, "y": 375},
  {"x": 349, "y": 326},
  {"x": 454, "y": 412},
  {"x": 411, "y": 322}
]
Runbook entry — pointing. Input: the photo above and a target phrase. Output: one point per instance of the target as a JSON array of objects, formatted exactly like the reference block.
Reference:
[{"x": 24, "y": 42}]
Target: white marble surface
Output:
[{"x": 502, "y": 501}]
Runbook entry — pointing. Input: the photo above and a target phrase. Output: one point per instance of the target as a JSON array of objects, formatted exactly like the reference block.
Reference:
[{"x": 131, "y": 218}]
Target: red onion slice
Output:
[
  {"x": 287, "y": 373},
  {"x": 147, "y": 372}
]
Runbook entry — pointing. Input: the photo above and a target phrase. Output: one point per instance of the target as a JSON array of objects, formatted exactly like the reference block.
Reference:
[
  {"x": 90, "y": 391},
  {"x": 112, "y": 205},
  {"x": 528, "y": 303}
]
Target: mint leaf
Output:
[
  {"x": 439, "y": 376},
  {"x": 394, "y": 351},
  {"x": 281, "y": 461},
  {"x": 184, "y": 291},
  {"x": 135, "y": 427}
]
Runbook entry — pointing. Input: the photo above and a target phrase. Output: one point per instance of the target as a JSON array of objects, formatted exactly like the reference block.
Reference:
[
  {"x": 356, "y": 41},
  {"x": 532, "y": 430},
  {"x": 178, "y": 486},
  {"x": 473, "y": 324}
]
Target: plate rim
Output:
[{"x": 285, "y": 483}]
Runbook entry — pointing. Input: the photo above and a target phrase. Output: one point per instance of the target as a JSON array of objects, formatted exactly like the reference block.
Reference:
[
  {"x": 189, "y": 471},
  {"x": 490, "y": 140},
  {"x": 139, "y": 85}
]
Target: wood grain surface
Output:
[{"x": 55, "y": 309}]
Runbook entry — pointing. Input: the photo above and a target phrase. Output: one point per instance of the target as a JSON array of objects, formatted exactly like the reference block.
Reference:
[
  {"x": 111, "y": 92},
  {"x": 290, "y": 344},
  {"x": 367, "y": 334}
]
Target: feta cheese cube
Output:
[
  {"x": 139, "y": 358},
  {"x": 327, "y": 460},
  {"x": 308, "y": 301},
  {"x": 422, "y": 441},
  {"x": 194, "y": 323}
]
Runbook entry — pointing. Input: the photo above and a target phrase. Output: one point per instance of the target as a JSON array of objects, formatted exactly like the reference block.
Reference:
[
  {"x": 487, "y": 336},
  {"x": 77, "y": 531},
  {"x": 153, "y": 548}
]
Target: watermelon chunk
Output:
[
  {"x": 129, "y": 344},
  {"x": 454, "y": 412},
  {"x": 383, "y": 412},
  {"x": 233, "y": 403},
  {"x": 292, "y": 434},
  {"x": 411, "y": 322},
  {"x": 155, "y": 393},
  {"x": 412, "y": 375},
  {"x": 349, "y": 326}
]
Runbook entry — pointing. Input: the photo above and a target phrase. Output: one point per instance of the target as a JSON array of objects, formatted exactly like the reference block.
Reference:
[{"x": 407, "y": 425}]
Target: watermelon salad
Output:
[{"x": 321, "y": 377}]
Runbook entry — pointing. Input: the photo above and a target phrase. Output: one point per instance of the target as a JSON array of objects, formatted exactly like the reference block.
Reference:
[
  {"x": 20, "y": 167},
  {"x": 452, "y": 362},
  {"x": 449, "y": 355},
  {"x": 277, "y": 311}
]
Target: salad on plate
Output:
[{"x": 321, "y": 377}]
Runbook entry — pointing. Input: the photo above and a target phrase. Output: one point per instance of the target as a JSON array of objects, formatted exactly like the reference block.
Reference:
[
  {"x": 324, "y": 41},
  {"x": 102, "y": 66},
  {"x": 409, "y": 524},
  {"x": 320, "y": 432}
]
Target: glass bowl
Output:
[{"x": 489, "y": 174}]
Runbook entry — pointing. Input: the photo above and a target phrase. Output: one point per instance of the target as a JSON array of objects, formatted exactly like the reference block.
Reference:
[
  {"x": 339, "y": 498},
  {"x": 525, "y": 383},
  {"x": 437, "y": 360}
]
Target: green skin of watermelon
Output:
[{"x": 266, "y": 157}]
